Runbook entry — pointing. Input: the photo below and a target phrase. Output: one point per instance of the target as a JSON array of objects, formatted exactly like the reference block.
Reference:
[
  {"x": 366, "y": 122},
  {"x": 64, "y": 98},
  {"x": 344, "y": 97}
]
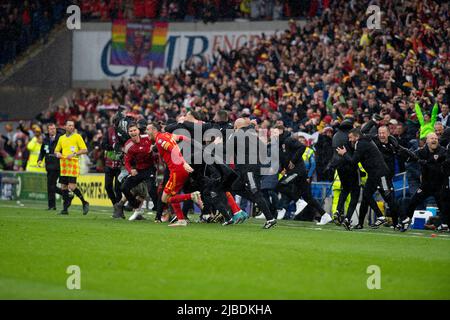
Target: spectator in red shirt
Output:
[
  {"x": 151, "y": 8},
  {"x": 61, "y": 116},
  {"x": 139, "y": 9}
]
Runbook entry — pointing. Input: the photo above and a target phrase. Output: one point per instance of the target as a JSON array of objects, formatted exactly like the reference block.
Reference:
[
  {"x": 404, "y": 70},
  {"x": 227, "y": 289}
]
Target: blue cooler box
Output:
[
  {"x": 420, "y": 218},
  {"x": 419, "y": 223}
]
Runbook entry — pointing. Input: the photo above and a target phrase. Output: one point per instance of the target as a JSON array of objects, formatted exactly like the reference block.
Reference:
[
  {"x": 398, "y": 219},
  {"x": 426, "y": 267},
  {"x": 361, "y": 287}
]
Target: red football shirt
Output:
[
  {"x": 139, "y": 156},
  {"x": 169, "y": 150}
]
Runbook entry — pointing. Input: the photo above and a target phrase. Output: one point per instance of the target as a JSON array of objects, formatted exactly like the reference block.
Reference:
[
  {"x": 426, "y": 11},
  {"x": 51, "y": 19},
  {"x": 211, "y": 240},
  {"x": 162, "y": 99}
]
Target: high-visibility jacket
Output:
[
  {"x": 426, "y": 127},
  {"x": 309, "y": 160},
  {"x": 34, "y": 147}
]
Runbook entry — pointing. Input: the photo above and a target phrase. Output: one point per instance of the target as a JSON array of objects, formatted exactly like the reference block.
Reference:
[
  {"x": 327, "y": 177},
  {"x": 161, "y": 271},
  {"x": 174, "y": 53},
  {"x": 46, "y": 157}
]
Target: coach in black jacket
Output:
[
  {"x": 445, "y": 196},
  {"x": 432, "y": 158},
  {"x": 294, "y": 183},
  {"x": 348, "y": 172},
  {"x": 390, "y": 148},
  {"x": 51, "y": 163},
  {"x": 366, "y": 152},
  {"x": 248, "y": 165}
]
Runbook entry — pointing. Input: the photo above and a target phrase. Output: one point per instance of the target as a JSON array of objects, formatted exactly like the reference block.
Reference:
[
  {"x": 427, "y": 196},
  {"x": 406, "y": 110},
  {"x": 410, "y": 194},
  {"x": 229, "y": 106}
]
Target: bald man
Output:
[
  {"x": 431, "y": 158},
  {"x": 248, "y": 185},
  {"x": 241, "y": 123}
]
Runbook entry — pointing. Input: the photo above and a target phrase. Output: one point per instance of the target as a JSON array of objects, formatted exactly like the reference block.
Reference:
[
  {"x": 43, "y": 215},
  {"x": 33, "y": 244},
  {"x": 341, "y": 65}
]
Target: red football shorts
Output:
[{"x": 176, "y": 182}]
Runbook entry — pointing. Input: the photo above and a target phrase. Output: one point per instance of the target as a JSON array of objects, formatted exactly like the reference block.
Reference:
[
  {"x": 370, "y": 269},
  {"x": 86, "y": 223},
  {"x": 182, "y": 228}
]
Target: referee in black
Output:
[{"x": 51, "y": 163}]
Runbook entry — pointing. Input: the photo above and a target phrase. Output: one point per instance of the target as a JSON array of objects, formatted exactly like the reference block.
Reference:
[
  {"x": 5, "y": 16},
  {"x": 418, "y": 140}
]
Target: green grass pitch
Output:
[{"x": 144, "y": 260}]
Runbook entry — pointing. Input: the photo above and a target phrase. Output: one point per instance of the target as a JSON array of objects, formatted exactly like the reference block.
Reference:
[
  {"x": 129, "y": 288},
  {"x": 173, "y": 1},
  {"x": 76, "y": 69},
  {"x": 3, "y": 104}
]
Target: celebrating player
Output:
[{"x": 179, "y": 171}]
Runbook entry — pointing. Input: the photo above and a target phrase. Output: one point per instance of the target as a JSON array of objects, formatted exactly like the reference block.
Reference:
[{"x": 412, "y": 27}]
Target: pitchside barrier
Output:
[{"x": 33, "y": 186}]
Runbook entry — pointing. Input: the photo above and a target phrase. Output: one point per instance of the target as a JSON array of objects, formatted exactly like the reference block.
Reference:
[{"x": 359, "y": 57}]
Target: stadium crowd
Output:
[
  {"x": 23, "y": 23},
  {"x": 307, "y": 79}
]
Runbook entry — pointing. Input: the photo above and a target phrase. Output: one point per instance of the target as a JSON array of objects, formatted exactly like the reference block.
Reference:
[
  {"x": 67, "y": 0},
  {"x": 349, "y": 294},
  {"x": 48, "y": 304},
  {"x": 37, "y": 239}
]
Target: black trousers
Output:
[
  {"x": 248, "y": 186},
  {"x": 153, "y": 188},
  {"x": 350, "y": 185},
  {"x": 272, "y": 200},
  {"x": 133, "y": 181},
  {"x": 298, "y": 188},
  {"x": 445, "y": 202},
  {"x": 112, "y": 184},
  {"x": 214, "y": 199},
  {"x": 52, "y": 189},
  {"x": 422, "y": 194},
  {"x": 386, "y": 188}
]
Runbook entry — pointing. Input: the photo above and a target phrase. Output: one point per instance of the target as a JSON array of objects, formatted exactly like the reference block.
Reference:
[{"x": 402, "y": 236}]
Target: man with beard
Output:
[
  {"x": 179, "y": 169},
  {"x": 431, "y": 157},
  {"x": 366, "y": 152}
]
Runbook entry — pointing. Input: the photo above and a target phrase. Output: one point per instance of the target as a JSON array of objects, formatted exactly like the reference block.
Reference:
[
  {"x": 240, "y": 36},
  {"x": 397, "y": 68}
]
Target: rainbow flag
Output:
[{"x": 138, "y": 44}]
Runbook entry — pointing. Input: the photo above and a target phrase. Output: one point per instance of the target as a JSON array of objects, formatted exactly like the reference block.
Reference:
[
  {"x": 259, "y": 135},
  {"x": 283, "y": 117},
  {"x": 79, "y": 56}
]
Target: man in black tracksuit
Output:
[
  {"x": 445, "y": 196},
  {"x": 213, "y": 180},
  {"x": 349, "y": 173},
  {"x": 391, "y": 151},
  {"x": 247, "y": 162},
  {"x": 51, "y": 163},
  {"x": 431, "y": 157},
  {"x": 366, "y": 152},
  {"x": 294, "y": 183}
]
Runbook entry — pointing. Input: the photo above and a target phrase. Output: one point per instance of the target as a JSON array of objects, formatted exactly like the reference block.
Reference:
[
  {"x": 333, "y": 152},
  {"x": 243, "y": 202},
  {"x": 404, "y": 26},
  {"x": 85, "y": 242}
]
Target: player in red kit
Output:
[{"x": 179, "y": 172}]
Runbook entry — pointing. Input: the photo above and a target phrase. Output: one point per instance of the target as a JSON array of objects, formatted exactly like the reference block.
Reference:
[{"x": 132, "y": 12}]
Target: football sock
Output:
[
  {"x": 65, "y": 196},
  {"x": 179, "y": 198},
  {"x": 177, "y": 208},
  {"x": 232, "y": 203},
  {"x": 79, "y": 195}
]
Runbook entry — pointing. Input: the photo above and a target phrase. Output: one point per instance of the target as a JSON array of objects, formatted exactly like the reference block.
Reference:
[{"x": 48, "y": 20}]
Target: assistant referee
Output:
[{"x": 70, "y": 146}]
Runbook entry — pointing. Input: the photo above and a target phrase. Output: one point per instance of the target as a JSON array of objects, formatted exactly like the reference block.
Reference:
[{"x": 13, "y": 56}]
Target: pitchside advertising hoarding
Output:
[
  {"x": 33, "y": 186},
  {"x": 129, "y": 48}
]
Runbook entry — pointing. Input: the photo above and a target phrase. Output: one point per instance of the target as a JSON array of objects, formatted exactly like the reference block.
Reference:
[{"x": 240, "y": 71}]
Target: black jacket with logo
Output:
[
  {"x": 432, "y": 163},
  {"x": 48, "y": 151}
]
